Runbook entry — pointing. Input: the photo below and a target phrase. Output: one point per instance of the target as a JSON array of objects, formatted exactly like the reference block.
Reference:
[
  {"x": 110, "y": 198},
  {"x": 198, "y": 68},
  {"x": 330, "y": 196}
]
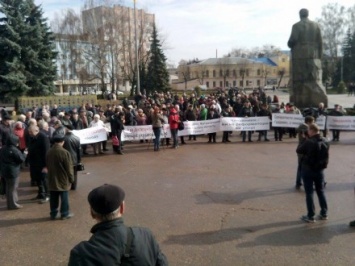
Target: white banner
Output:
[
  {"x": 287, "y": 120},
  {"x": 91, "y": 135},
  {"x": 131, "y": 133},
  {"x": 245, "y": 123},
  {"x": 341, "y": 122},
  {"x": 321, "y": 121},
  {"x": 294, "y": 120}
]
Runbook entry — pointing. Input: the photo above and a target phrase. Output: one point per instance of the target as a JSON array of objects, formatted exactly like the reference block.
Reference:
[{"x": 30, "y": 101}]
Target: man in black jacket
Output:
[
  {"x": 72, "y": 145},
  {"x": 112, "y": 242},
  {"x": 117, "y": 126},
  {"x": 313, "y": 172},
  {"x": 38, "y": 147}
]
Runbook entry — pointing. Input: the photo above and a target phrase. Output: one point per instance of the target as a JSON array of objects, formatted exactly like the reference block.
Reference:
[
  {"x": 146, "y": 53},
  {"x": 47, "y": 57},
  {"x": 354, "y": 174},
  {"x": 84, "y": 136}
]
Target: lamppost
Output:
[{"x": 136, "y": 46}]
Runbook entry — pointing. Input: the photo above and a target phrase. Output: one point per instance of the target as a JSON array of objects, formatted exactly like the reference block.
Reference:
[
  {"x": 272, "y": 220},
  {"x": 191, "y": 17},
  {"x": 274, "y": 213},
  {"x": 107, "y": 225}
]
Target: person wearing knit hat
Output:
[{"x": 113, "y": 243}]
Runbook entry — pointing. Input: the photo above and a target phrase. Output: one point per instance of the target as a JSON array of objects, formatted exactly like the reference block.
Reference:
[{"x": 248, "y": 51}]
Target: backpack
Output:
[{"x": 322, "y": 155}]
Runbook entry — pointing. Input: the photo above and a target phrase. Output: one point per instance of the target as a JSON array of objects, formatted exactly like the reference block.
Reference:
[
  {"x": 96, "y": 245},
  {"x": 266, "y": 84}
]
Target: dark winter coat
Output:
[
  {"x": 38, "y": 147},
  {"x": 309, "y": 150},
  {"x": 116, "y": 124},
  {"x": 107, "y": 246},
  {"x": 72, "y": 145},
  {"x": 10, "y": 158}
]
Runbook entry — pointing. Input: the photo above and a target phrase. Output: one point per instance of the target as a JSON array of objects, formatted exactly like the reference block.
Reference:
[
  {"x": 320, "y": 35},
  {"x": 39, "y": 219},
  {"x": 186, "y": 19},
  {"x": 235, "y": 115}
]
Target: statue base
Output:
[{"x": 308, "y": 94}]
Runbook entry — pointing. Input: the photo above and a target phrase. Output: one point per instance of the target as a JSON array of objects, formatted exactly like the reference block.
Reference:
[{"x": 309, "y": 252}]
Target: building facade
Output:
[
  {"x": 104, "y": 56},
  {"x": 231, "y": 72}
]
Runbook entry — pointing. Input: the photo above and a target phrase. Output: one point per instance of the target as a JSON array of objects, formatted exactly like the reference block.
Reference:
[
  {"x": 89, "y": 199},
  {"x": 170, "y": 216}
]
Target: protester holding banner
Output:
[
  {"x": 190, "y": 115},
  {"x": 227, "y": 111},
  {"x": 263, "y": 112},
  {"x": 322, "y": 111},
  {"x": 174, "y": 120},
  {"x": 157, "y": 123},
  {"x": 278, "y": 131},
  {"x": 246, "y": 111},
  {"x": 97, "y": 123},
  {"x": 336, "y": 112},
  {"x": 212, "y": 114},
  {"x": 86, "y": 120},
  {"x": 292, "y": 110}
]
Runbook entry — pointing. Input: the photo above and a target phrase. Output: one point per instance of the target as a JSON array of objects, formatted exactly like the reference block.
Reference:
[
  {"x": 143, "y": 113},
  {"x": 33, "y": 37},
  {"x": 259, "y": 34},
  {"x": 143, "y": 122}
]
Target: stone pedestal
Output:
[{"x": 308, "y": 94}]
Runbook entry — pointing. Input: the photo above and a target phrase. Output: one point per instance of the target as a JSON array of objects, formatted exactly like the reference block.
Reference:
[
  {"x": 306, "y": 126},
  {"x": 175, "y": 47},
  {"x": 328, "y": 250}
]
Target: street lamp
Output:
[{"x": 136, "y": 44}]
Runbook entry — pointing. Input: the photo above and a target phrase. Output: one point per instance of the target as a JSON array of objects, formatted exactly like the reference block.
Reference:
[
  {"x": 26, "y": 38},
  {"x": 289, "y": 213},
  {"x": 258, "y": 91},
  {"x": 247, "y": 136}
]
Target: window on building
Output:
[
  {"x": 283, "y": 60},
  {"x": 259, "y": 72},
  {"x": 234, "y": 83},
  {"x": 234, "y": 73},
  {"x": 221, "y": 84},
  {"x": 214, "y": 74},
  {"x": 220, "y": 73},
  {"x": 227, "y": 73},
  {"x": 227, "y": 84},
  {"x": 258, "y": 82},
  {"x": 214, "y": 84},
  {"x": 207, "y": 84},
  {"x": 207, "y": 74},
  {"x": 241, "y": 83}
]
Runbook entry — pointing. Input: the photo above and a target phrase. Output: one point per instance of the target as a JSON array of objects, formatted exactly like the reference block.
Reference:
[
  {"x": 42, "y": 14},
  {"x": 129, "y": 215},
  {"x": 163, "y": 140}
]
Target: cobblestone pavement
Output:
[{"x": 208, "y": 204}]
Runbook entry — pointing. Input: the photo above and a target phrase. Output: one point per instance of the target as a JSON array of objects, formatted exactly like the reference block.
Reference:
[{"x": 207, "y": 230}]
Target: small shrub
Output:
[{"x": 341, "y": 87}]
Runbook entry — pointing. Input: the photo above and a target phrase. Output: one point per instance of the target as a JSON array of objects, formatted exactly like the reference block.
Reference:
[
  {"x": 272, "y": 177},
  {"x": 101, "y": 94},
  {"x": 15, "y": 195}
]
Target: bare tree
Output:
[
  {"x": 68, "y": 32},
  {"x": 201, "y": 73},
  {"x": 184, "y": 71},
  {"x": 332, "y": 23}
]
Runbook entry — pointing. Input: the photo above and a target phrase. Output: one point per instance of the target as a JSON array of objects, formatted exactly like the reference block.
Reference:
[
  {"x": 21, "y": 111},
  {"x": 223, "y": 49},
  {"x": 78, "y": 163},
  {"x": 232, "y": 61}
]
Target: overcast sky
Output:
[{"x": 197, "y": 28}]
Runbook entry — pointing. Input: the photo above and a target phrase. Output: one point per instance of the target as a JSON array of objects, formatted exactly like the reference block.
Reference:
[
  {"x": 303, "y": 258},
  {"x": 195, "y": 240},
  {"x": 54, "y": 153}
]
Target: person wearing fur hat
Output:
[
  {"x": 112, "y": 242},
  {"x": 60, "y": 175}
]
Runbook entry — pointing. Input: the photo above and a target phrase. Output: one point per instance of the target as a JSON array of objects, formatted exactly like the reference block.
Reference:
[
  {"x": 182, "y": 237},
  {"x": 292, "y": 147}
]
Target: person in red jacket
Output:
[{"x": 174, "y": 120}]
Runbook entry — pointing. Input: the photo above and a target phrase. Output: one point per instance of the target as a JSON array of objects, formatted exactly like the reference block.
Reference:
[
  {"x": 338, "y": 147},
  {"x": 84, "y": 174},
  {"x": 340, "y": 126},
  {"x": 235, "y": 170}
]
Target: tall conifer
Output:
[
  {"x": 157, "y": 75},
  {"x": 26, "y": 53}
]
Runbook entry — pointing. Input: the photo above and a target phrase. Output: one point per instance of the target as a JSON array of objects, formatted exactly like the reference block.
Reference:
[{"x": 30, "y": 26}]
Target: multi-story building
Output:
[
  {"x": 232, "y": 72},
  {"x": 104, "y": 55}
]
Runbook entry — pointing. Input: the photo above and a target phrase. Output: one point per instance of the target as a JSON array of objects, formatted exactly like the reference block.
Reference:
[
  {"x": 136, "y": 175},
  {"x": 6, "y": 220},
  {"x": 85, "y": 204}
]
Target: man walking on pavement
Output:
[{"x": 315, "y": 151}]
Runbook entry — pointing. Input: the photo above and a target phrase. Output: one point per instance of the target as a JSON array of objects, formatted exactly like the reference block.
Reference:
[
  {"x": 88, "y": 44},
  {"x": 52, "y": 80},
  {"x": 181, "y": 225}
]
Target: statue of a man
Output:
[{"x": 306, "y": 49}]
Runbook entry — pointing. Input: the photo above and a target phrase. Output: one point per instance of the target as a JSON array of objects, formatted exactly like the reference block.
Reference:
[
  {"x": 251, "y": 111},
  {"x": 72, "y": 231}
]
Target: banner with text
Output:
[
  {"x": 341, "y": 122},
  {"x": 91, "y": 135},
  {"x": 294, "y": 120},
  {"x": 245, "y": 123}
]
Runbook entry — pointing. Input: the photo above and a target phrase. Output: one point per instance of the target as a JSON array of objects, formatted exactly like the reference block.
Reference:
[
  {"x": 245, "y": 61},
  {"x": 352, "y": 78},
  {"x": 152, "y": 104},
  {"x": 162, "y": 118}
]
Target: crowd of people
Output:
[
  {"x": 34, "y": 128},
  {"x": 43, "y": 135}
]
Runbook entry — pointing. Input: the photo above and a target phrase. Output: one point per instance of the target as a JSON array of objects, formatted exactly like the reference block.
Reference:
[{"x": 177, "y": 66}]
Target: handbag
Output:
[
  {"x": 79, "y": 167},
  {"x": 181, "y": 126},
  {"x": 115, "y": 141}
]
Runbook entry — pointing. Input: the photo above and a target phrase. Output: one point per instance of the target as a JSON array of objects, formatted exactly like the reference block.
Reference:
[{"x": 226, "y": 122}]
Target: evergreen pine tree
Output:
[
  {"x": 12, "y": 75},
  {"x": 27, "y": 50},
  {"x": 42, "y": 70},
  {"x": 157, "y": 76}
]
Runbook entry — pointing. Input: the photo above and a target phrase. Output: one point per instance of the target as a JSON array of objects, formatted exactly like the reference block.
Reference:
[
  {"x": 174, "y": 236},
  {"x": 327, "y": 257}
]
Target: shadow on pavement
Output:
[
  {"x": 303, "y": 234},
  {"x": 9, "y": 223},
  {"x": 207, "y": 197}
]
